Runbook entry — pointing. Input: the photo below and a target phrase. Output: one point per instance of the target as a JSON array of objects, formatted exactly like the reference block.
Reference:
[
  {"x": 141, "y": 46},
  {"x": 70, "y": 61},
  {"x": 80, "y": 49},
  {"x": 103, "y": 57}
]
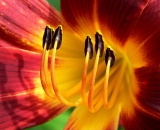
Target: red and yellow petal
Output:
[
  {"x": 146, "y": 35},
  {"x": 145, "y": 112},
  {"x": 118, "y": 18},
  {"x": 23, "y": 102},
  {"x": 83, "y": 119},
  {"x": 80, "y": 16},
  {"x": 140, "y": 120},
  {"x": 148, "y": 23},
  {"x": 22, "y": 23}
]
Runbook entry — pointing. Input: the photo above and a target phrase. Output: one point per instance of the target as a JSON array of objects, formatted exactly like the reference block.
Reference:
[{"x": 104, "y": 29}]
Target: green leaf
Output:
[{"x": 55, "y": 3}]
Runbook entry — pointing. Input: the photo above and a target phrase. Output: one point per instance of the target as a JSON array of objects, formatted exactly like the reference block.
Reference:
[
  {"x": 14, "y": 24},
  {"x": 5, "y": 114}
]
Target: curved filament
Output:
[
  {"x": 83, "y": 88},
  {"x": 46, "y": 83},
  {"x": 55, "y": 87},
  {"x": 91, "y": 89}
]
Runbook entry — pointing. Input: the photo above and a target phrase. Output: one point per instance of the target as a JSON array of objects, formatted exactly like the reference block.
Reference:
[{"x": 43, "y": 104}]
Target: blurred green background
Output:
[
  {"x": 57, "y": 123},
  {"x": 55, "y": 3},
  {"x": 60, "y": 121}
]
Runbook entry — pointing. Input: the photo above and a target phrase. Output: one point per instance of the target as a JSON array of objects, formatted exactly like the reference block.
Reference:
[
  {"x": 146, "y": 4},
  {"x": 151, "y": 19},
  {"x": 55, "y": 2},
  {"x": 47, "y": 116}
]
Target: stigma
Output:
[{"x": 52, "y": 40}]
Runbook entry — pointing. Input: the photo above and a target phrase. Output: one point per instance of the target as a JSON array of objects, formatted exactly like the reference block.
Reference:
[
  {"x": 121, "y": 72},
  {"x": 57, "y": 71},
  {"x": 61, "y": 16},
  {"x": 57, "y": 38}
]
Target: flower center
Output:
[{"x": 52, "y": 41}]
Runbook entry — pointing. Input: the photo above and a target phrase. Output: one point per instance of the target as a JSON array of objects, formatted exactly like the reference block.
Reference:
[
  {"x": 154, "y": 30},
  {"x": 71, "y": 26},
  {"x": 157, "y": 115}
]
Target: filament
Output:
[
  {"x": 54, "y": 85},
  {"x": 46, "y": 84},
  {"x": 91, "y": 90},
  {"x": 108, "y": 104},
  {"x": 83, "y": 88},
  {"x": 105, "y": 89}
]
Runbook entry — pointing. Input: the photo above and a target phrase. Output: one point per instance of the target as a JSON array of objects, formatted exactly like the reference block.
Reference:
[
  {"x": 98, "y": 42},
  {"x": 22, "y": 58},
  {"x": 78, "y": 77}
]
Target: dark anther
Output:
[
  {"x": 57, "y": 37},
  {"x": 47, "y": 37},
  {"x": 109, "y": 54},
  {"x": 88, "y": 47},
  {"x": 99, "y": 43},
  {"x": 52, "y": 35}
]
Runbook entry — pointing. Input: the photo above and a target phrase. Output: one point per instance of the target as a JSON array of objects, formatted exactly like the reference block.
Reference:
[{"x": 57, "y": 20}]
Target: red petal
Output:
[
  {"x": 148, "y": 23},
  {"x": 23, "y": 102},
  {"x": 22, "y": 23},
  {"x": 148, "y": 96},
  {"x": 145, "y": 113},
  {"x": 140, "y": 120},
  {"x": 118, "y": 18},
  {"x": 151, "y": 50},
  {"x": 80, "y": 16}
]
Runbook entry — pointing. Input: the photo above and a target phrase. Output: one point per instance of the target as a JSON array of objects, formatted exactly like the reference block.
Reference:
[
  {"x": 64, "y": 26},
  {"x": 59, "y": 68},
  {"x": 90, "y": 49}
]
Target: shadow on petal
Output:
[{"x": 23, "y": 102}]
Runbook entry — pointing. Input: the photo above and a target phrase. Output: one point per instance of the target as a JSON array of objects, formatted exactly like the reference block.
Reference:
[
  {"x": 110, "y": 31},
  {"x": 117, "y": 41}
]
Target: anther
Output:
[
  {"x": 109, "y": 54},
  {"x": 99, "y": 43},
  {"x": 57, "y": 37},
  {"x": 47, "y": 37},
  {"x": 88, "y": 47}
]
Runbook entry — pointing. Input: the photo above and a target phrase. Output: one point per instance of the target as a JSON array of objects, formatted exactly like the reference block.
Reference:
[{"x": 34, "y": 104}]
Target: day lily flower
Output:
[{"x": 116, "y": 78}]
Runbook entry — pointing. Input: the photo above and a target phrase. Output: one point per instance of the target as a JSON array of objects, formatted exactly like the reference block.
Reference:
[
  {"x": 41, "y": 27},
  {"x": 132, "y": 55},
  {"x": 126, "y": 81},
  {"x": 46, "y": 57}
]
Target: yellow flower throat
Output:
[{"x": 52, "y": 41}]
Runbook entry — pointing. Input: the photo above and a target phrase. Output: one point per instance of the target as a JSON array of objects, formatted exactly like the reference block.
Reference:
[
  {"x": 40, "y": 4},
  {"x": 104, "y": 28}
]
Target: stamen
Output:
[
  {"x": 99, "y": 47},
  {"x": 56, "y": 44},
  {"x": 88, "y": 54},
  {"x": 109, "y": 59},
  {"x": 46, "y": 84}
]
